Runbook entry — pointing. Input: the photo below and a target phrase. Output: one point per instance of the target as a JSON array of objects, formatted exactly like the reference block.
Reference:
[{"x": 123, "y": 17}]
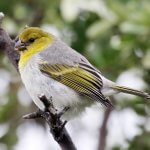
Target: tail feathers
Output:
[{"x": 131, "y": 91}]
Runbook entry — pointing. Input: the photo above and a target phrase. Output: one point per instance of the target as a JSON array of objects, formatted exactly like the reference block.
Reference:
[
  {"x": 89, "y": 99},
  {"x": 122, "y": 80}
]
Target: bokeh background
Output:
[{"x": 115, "y": 37}]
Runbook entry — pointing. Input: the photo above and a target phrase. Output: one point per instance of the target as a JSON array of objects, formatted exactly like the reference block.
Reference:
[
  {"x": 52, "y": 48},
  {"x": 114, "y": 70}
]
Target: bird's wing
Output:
[{"x": 81, "y": 77}]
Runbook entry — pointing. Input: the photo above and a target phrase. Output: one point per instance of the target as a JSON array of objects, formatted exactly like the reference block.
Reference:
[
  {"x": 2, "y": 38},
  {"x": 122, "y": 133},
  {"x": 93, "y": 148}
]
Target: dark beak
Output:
[{"x": 20, "y": 46}]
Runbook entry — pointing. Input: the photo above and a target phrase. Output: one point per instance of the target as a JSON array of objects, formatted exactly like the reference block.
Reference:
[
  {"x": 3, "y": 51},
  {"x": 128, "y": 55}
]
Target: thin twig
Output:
[{"x": 103, "y": 129}]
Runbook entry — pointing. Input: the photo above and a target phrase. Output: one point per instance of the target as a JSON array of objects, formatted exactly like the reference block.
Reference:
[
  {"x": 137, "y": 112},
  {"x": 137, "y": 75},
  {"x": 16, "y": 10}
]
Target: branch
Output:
[
  {"x": 103, "y": 129},
  {"x": 57, "y": 127},
  {"x": 7, "y": 45},
  {"x": 50, "y": 114}
]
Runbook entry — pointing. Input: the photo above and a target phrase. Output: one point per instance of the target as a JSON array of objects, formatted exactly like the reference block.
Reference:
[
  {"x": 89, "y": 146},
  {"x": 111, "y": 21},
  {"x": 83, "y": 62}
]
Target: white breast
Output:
[{"x": 37, "y": 83}]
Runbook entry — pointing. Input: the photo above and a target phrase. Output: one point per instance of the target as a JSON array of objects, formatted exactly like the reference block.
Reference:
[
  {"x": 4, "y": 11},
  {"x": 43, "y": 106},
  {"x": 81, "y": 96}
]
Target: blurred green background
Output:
[{"x": 113, "y": 35}]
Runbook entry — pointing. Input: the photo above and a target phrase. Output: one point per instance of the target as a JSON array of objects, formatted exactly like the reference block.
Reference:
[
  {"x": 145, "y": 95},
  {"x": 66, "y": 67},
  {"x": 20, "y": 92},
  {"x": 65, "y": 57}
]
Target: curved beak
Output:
[{"x": 20, "y": 46}]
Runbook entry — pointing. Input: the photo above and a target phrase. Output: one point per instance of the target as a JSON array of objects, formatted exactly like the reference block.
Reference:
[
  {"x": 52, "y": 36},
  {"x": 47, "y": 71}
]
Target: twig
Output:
[
  {"x": 50, "y": 115},
  {"x": 7, "y": 45},
  {"x": 103, "y": 129}
]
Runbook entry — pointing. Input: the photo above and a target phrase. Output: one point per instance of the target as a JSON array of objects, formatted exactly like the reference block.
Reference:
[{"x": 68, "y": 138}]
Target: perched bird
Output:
[{"x": 48, "y": 66}]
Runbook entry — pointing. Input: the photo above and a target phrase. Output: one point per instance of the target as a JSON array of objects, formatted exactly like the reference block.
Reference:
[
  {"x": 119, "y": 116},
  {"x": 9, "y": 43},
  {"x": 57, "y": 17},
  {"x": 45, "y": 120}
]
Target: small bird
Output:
[{"x": 49, "y": 66}]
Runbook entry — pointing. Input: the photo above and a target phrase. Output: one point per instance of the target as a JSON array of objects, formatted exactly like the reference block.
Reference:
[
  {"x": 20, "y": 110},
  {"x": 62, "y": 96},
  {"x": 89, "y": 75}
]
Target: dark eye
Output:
[{"x": 31, "y": 40}]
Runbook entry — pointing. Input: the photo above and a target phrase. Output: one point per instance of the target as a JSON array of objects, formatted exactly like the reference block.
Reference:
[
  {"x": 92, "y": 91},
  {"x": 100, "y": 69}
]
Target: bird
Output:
[{"x": 49, "y": 66}]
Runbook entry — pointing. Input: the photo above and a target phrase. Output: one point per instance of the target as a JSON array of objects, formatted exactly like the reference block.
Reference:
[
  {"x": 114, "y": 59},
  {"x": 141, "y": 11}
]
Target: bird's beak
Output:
[{"x": 20, "y": 46}]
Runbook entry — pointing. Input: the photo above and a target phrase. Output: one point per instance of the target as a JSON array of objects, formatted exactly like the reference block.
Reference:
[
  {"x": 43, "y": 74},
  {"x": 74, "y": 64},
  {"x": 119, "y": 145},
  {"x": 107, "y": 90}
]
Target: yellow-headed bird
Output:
[{"x": 48, "y": 66}]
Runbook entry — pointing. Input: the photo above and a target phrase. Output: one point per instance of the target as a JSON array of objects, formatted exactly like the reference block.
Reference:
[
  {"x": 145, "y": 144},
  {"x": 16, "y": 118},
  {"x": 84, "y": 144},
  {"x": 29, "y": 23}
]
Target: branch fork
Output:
[
  {"x": 53, "y": 119},
  {"x": 51, "y": 115}
]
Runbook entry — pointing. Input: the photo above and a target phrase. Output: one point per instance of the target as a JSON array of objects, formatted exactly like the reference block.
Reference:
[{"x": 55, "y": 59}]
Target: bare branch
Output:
[
  {"x": 7, "y": 45},
  {"x": 57, "y": 127},
  {"x": 103, "y": 129}
]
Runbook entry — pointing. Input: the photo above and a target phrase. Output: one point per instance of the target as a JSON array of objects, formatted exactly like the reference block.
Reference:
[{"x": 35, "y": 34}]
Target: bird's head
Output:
[
  {"x": 32, "y": 38},
  {"x": 31, "y": 41}
]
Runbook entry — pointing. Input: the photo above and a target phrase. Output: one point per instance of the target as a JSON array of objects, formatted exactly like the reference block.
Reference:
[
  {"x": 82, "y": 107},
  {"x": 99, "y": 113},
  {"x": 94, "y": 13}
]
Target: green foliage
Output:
[{"x": 140, "y": 142}]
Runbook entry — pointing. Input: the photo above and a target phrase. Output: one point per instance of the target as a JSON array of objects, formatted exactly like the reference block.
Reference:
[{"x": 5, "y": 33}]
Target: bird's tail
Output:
[{"x": 130, "y": 91}]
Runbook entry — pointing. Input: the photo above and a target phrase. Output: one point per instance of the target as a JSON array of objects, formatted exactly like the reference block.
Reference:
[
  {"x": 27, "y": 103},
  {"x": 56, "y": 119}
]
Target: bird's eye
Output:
[{"x": 31, "y": 40}]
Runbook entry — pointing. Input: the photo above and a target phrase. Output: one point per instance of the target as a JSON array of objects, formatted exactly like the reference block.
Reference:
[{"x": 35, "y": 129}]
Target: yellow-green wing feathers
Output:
[{"x": 81, "y": 77}]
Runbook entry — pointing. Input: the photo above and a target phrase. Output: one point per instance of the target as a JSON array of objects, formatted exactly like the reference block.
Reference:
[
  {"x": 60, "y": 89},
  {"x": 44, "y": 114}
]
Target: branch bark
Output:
[{"x": 57, "y": 127}]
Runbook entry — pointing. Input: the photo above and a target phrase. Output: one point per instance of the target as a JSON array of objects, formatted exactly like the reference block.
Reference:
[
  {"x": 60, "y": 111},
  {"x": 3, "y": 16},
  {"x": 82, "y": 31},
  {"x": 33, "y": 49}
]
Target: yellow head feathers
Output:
[
  {"x": 34, "y": 33},
  {"x": 31, "y": 41}
]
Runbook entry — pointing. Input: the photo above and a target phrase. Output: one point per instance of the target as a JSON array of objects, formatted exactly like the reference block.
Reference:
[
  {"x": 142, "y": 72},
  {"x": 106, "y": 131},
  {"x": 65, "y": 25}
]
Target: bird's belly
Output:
[{"x": 38, "y": 84}]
